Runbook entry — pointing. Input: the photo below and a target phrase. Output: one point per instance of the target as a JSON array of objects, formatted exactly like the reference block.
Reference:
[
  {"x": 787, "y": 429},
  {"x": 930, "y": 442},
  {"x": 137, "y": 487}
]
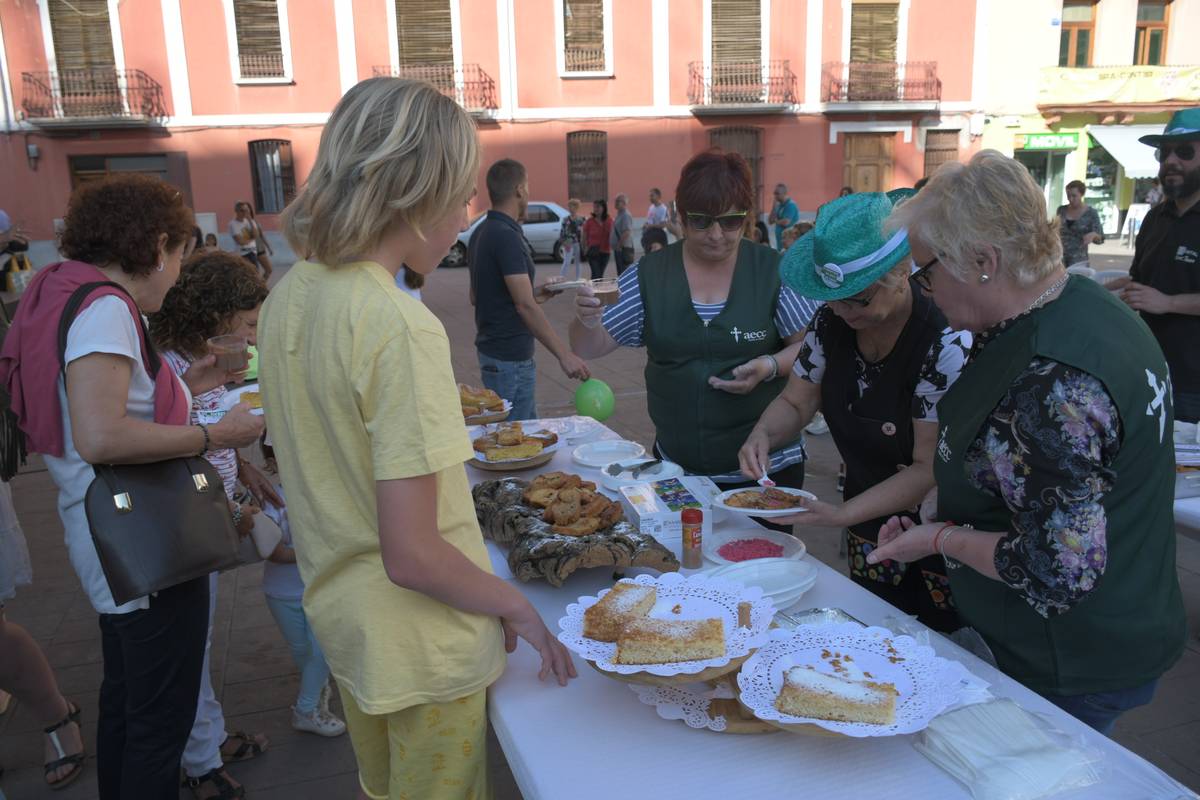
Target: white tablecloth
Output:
[
  {"x": 1187, "y": 516},
  {"x": 595, "y": 739}
]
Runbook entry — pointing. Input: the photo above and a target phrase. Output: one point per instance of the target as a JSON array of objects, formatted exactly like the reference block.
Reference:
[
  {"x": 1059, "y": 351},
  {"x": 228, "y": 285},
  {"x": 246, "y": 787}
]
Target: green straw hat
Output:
[
  {"x": 1183, "y": 127},
  {"x": 847, "y": 250}
]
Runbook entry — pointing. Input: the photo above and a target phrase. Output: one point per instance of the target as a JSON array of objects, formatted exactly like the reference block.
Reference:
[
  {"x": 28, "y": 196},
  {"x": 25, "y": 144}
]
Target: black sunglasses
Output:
[
  {"x": 857, "y": 301},
  {"x": 921, "y": 276},
  {"x": 1185, "y": 152},
  {"x": 728, "y": 222}
]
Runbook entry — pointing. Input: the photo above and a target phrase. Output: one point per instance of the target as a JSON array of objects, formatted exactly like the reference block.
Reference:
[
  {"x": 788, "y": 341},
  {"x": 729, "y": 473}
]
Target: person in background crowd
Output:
[
  {"x": 216, "y": 294},
  {"x": 410, "y": 282},
  {"x": 621, "y": 238},
  {"x": 784, "y": 214},
  {"x": 132, "y": 230},
  {"x": 242, "y": 228},
  {"x": 24, "y": 672},
  {"x": 570, "y": 233},
  {"x": 1155, "y": 195},
  {"x": 597, "y": 236},
  {"x": 653, "y": 240},
  {"x": 657, "y": 215},
  {"x": 1164, "y": 280},
  {"x": 508, "y": 313},
  {"x": 211, "y": 245},
  {"x": 14, "y": 251},
  {"x": 846, "y": 190},
  {"x": 717, "y": 325},
  {"x": 876, "y": 359},
  {"x": 371, "y": 446},
  {"x": 759, "y": 233},
  {"x": 1079, "y": 225},
  {"x": 795, "y": 232},
  {"x": 1054, "y": 460},
  {"x": 262, "y": 247}
]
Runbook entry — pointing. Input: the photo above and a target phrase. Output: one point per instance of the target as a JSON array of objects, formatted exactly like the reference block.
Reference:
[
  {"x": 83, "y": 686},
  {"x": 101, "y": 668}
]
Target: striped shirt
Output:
[{"x": 625, "y": 322}]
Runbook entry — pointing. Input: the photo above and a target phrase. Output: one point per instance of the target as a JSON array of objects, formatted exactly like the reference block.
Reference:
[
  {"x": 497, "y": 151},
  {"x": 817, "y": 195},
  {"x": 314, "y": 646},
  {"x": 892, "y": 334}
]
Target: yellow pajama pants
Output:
[{"x": 436, "y": 751}]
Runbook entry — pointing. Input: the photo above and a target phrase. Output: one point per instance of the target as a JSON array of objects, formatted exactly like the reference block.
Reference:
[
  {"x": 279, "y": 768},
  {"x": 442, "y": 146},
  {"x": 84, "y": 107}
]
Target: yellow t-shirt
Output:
[{"x": 357, "y": 386}]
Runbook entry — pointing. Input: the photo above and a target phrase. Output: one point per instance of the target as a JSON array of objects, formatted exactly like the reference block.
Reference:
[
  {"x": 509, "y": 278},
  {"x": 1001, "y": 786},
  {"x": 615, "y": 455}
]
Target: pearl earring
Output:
[
  {"x": 160, "y": 266},
  {"x": 984, "y": 278}
]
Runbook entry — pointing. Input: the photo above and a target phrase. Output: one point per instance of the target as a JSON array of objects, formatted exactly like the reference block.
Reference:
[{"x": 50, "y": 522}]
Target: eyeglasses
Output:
[
  {"x": 857, "y": 301},
  {"x": 921, "y": 276},
  {"x": 1185, "y": 152},
  {"x": 728, "y": 222}
]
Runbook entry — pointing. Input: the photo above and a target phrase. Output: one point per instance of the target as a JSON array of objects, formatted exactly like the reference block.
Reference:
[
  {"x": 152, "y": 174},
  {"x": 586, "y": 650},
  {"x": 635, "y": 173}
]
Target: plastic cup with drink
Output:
[
  {"x": 606, "y": 291},
  {"x": 231, "y": 352}
]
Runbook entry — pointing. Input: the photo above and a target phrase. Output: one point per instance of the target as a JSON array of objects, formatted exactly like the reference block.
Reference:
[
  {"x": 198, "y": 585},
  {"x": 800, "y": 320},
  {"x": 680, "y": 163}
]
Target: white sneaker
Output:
[
  {"x": 818, "y": 425},
  {"x": 318, "y": 723}
]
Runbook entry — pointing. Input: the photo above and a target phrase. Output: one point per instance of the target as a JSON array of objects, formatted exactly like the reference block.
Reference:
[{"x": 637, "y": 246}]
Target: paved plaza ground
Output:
[{"x": 252, "y": 670}]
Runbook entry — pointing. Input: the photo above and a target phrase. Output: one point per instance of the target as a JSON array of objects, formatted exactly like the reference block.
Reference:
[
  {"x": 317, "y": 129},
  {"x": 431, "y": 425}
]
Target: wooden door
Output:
[{"x": 868, "y": 161}]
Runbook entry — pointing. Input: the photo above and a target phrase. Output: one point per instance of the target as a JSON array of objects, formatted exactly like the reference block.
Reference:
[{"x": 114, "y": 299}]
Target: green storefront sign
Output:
[{"x": 1046, "y": 141}]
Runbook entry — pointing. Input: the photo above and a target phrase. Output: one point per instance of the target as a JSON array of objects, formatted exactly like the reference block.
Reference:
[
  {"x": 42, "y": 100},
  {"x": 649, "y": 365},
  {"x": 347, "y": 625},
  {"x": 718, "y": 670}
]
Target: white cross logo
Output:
[
  {"x": 1157, "y": 404},
  {"x": 737, "y": 334}
]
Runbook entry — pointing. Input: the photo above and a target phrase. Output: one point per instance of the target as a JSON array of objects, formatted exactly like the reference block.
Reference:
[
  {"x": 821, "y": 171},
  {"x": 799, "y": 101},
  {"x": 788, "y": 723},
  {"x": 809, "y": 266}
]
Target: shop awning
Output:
[{"x": 1121, "y": 142}]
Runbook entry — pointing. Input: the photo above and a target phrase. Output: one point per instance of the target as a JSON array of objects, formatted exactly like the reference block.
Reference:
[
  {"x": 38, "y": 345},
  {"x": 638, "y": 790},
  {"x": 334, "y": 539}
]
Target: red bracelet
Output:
[{"x": 937, "y": 536}]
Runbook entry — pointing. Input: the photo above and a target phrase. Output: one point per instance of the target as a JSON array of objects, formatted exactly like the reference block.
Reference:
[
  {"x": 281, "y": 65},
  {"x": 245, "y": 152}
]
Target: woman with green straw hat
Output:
[{"x": 875, "y": 360}]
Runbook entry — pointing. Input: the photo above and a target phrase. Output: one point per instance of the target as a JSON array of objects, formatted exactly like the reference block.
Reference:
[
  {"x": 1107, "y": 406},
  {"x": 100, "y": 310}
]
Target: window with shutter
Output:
[
  {"x": 736, "y": 51},
  {"x": 583, "y": 23},
  {"x": 424, "y": 33},
  {"x": 587, "y": 165},
  {"x": 82, "y": 34},
  {"x": 1075, "y": 39},
  {"x": 940, "y": 147},
  {"x": 272, "y": 174},
  {"x": 1150, "y": 40},
  {"x": 746, "y": 141},
  {"x": 259, "y": 43},
  {"x": 873, "y": 71}
]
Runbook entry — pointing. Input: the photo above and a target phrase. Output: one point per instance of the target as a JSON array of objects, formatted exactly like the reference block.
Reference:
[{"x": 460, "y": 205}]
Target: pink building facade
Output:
[{"x": 226, "y": 99}]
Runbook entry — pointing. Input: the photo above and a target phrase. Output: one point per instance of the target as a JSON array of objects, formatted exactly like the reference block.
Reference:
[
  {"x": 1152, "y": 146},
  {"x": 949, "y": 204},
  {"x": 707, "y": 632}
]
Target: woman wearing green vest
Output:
[
  {"x": 717, "y": 325},
  {"x": 876, "y": 359},
  {"x": 1054, "y": 461}
]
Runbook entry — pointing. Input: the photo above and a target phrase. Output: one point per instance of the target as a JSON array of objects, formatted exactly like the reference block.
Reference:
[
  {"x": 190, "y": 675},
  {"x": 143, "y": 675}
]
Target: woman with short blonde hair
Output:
[
  {"x": 363, "y": 408},
  {"x": 1054, "y": 460}
]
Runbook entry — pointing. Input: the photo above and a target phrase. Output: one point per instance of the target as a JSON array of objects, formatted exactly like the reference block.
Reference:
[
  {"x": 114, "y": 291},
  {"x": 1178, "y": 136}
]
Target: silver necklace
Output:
[{"x": 1041, "y": 298}]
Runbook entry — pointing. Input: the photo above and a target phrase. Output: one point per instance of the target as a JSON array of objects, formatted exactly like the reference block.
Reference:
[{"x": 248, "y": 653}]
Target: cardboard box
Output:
[{"x": 655, "y": 507}]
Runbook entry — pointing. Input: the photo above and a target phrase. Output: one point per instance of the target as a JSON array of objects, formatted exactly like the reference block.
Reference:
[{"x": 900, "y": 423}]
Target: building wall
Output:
[{"x": 645, "y": 112}]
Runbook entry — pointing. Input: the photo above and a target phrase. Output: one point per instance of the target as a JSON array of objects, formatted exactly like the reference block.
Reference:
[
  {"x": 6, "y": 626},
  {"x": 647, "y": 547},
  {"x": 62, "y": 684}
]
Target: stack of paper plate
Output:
[{"x": 783, "y": 580}]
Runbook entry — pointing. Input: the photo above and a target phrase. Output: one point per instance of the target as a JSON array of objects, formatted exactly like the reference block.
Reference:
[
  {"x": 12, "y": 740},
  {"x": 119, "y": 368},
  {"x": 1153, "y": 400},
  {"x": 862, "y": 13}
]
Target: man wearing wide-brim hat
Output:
[
  {"x": 1164, "y": 280},
  {"x": 876, "y": 359}
]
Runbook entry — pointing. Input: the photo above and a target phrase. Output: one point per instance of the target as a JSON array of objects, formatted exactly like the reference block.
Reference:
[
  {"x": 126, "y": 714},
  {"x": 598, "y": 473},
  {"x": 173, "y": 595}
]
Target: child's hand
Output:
[{"x": 529, "y": 626}]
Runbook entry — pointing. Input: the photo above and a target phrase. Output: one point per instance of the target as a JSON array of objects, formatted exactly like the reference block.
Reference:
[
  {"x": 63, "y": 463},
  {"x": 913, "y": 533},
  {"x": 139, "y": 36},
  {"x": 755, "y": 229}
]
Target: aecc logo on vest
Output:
[{"x": 747, "y": 336}]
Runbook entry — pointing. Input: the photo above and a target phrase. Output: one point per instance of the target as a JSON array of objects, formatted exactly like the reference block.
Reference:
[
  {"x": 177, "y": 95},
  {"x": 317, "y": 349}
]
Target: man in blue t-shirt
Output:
[
  {"x": 508, "y": 316},
  {"x": 784, "y": 214}
]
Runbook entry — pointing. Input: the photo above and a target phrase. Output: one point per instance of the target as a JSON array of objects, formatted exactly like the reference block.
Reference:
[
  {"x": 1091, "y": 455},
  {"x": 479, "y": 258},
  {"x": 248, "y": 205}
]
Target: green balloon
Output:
[{"x": 594, "y": 399}]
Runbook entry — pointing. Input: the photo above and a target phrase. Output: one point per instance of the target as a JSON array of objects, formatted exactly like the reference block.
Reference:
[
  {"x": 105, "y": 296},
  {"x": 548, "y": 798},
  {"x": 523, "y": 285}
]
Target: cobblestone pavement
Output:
[{"x": 252, "y": 671}]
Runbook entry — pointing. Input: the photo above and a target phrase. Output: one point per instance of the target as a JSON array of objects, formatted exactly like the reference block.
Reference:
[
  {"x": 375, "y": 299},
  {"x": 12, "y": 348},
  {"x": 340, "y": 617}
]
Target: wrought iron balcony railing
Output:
[
  {"x": 97, "y": 95},
  {"x": 471, "y": 87},
  {"x": 741, "y": 83},
  {"x": 584, "y": 59},
  {"x": 261, "y": 65},
  {"x": 860, "y": 82}
]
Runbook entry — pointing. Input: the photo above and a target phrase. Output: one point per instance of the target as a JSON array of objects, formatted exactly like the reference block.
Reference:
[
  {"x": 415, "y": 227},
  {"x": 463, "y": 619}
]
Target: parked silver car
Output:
[{"x": 541, "y": 225}]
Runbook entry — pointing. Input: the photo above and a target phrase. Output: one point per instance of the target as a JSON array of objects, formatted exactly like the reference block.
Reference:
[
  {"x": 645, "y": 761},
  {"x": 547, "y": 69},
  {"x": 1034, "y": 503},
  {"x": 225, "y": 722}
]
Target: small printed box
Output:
[{"x": 655, "y": 507}]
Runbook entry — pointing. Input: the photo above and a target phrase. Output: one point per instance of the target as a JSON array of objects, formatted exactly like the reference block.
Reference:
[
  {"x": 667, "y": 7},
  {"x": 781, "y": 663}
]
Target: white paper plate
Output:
[
  {"x": 699, "y": 596},
  {"x": 474, "y": 420},
  {"x": 793, "y": 548},
  {"x": 562, "y": 286},
  {"x": 232, "y": 398},
  {"x": 775, "y": 576},
  {"x": 719, "y": 502},
  {"x": 475, "y": 431},
  {"x": 926, "y": 684},
  {"x": 599, "y": 454}
]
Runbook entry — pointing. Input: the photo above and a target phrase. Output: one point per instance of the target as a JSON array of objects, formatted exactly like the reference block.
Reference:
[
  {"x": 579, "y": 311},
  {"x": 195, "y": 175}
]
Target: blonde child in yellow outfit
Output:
[{"x": 362, "y": 403}]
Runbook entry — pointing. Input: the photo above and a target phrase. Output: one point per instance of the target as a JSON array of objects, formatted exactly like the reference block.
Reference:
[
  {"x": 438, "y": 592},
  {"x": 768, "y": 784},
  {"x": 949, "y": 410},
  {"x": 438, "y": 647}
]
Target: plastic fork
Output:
[{"x": 765, "y": 481}]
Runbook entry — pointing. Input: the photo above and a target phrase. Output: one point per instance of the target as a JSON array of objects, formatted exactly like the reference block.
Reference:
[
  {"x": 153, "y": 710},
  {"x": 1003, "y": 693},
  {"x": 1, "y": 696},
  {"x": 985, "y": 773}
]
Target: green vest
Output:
[
  {"x": 699, "y": 427},
  {"x": 1130, "y": 628}
]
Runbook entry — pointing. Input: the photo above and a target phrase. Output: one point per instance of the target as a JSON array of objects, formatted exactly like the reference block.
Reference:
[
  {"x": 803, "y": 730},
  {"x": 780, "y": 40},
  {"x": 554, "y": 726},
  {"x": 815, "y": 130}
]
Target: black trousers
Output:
[
  {"x": 625, "y": 258},
  {"x": 152, "y": 664},
  {"x": 598, "y": 260}
]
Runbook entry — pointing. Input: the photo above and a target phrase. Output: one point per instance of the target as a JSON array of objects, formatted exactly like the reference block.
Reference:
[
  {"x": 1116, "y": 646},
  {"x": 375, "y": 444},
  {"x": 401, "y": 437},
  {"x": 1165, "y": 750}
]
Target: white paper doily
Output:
[
  {"x": 926, "y": 683},
  {"x": 688, "y": 703},
  {"x": 698, "y": 597}
]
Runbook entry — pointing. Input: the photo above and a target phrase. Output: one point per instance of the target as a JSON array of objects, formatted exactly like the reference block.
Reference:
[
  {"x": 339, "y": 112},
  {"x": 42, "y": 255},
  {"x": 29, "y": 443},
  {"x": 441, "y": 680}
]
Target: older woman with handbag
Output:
[
  {"x": 876, "y": 359},
  {"x": 125, "y": 237},
  {"x": 1054, "y": 461}
]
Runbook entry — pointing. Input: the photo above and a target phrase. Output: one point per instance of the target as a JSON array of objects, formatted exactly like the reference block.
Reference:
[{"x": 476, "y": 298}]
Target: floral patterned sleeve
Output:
[{"x": 1047, "y": 449}]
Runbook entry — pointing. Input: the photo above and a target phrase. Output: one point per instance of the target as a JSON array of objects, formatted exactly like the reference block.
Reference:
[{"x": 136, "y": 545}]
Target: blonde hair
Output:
[
  {"x": 394, "y": 150},
  {"x": 989, "y": 201},
  {"x": 897, "y": 276},
  {"x": 573, "y": 204}
]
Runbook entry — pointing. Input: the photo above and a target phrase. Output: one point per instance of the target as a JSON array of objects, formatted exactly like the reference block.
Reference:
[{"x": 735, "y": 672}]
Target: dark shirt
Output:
[
  {"x": 498, "y": 248},
  {"x": 1075, "y": 249},
  {"x": 1167, "y": 258}
]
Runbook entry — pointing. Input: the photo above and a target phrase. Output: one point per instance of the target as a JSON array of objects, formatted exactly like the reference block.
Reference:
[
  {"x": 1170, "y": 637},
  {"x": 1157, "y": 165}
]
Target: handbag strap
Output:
[{"x": 71, "y": 310}]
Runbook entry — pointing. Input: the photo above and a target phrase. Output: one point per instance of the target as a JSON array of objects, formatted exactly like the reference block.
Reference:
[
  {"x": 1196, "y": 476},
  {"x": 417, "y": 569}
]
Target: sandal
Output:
[
  {"x": 248, "y": 748},
  {"x": 74, "y": 760},
  {"x": 225, "y": 789}
]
